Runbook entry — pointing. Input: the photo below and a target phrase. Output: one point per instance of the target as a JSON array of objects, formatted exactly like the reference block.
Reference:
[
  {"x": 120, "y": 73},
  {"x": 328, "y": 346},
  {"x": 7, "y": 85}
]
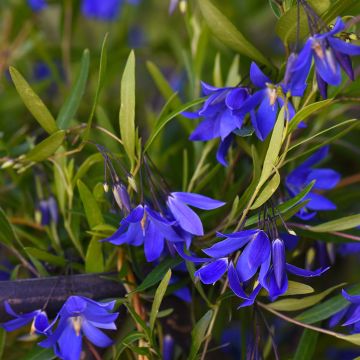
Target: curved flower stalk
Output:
[
  {"x": 80, "y": 316},
  {"x": 331, "y": 51},
  {"x": 304, "y": 174},
  {"x": 262, "y": 262}
]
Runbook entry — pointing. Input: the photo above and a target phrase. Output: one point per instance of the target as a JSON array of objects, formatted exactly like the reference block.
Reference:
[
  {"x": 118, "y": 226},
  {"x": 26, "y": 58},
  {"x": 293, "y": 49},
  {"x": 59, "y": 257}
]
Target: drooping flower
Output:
[
  {"x": 78, "y": 317},
  {"x": 48, "y": 211},
  {"x": 268, "y": 100},
  {"x": 37, "y": 5},
  {"x": 331, "y": 51},
  {"x": 325, "y": 179},
  {"x": 349, "y": 314},
  {"x": 220, "y": 119},
  {"x": 38, "y": 318}
]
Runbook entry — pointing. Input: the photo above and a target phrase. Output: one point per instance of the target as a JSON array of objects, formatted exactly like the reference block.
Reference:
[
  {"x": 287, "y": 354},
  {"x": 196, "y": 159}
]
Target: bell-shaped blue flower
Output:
[
  {"x": 268, "y": 100},
  {"x": 325, "y": 179},
  {"x": 48, "y": 211},
  {"x": 78, "y": 317},
  {"x": 330, "y": 54},
  {"x": 38, "y": 318}
]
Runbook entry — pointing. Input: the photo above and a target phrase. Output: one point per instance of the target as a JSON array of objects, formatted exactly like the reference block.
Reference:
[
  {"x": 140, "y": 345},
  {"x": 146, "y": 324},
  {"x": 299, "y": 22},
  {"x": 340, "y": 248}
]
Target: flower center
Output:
[
  {"x": 76, "y": 323},
  {"x": 316, "y": 46}
]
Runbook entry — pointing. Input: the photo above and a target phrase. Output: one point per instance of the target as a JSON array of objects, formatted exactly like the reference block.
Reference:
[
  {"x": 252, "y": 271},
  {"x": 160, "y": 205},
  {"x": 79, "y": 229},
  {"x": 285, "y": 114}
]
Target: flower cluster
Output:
[{"x": 78, "y": 317}]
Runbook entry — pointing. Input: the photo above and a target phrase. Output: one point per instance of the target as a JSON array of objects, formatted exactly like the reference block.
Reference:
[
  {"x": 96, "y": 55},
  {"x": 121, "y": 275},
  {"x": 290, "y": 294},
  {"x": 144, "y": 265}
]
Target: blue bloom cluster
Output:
[{"x": 78, "y": 317}]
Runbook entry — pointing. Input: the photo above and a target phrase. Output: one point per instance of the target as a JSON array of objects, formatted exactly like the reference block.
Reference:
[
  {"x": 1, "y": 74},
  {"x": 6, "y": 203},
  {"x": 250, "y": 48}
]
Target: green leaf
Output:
[
  {"x": 326, "y": 309},
  {"x": 339, "y": 8},
  {"x": 72, "y": 102},
  {"x": 305, "y": 112},
  {"x": 286, "y": 206},
  {"x": 273, "y": 150},
  {"x": 302, "y": 303},
  {"x": 286, "y": 27},
  {"x": 227, "y": 33},
  {"x": 233, "y": 77},
  {"x": 102, "y": 70},
  {"x": 159, "y": 294},
  {"x": 345, "y": 223},
  {"x": 32, "y": 101},
  {"x": 296, "y": 288},
  {"x": 86, "y": 165},
  {"x": 162, "y": 84},
  {"x": 267, "y": 191},
  {"x": 46, "y": 148},
  {"x": 198, "y": 334},
  {"x": 126, "y": 341},
  {"x": 38, "y": 353},
  {"x": 127, "y": 108},
  {"x": 2, "y": 342},
  {"x": 94, "y": 259},
  {"x": 167, "y": 118},
  {"x": 7, "y": 233},
  {"x": 158, "y": 273},
  {"x": 91, "y": 207},
  {"x": 45, "y": 256},
  {"x": 307, "y": 345}
]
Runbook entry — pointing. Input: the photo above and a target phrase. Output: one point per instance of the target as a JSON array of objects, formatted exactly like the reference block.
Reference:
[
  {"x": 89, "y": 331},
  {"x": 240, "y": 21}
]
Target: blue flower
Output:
[
  {"x": 330, "y": 53},
  {"x": 168, "y": 348},
  {"x": 48, "y": 211},
  {"x": 78, "y": 317},
  {"x": 38, "y": 318},
  {"x": 269, "y": 99},
  {"x": 325, "y": 179},
  {"x": 37, "y": 5},
  {"x": 106, "y": 10},
  {"x": 222, "y": 114},
  {"x": 259, "y": 256}
]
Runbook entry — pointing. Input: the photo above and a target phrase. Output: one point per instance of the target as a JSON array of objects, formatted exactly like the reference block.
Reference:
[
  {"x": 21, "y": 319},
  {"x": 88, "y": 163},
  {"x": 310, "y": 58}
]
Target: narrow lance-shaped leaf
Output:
[
  {"x": 32, "y": 101},
  {"x": 345, "y": 223},
  {"x": 72, "y": 103},
  {"x": 46, "y": 147},
  {"x": 307, "y": 345},
  {"x": 227, "y": 33},
  {"x": 127, "y": 108}
]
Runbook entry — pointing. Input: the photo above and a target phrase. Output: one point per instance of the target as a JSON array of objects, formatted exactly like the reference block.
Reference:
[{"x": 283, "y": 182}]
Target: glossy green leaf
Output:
[
  {"x": 32, "y": 101},
  {"x": 307, "y": 345},
  {"x": 86, "y": 165},
  {"x": 72, "y": 102},
  {"x": 46, "y": 148},
  {"x": 126, "y": 341},
  {"x": 159, "y": 295},
  {"x": 45, "y": 256},
  {"x": 268, "y": 190},
  {"x": 301, "y": 303},
  {"x": 94, "y": 259},
  {"x": 273, "y": 150},
  {"x": 296, "y": 288},
  {"x": 305, "y": 112},
  {"x": 158, "y": 273},
  {"x": 227, "y": 33},
  {"x": 339, "y": 8},
  {"x": 345, "y": 223},
  {"x": 198, "y": 334},
  {"x": 127, "y": 108},
  {"x": 102, "y": 70},
  {"x": 326, "y": 309},
  {"x": 167, "y": 118},
  {"x": 7, "y": 233},
  {"x": 91, "y": 207}
]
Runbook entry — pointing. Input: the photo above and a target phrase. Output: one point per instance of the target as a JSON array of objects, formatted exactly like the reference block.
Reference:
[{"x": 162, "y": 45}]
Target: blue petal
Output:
[
  {"x": 305, "y": 273},
  {"x": 252, "y": 102},
  {"x": 70, "y": 344},
  {"x": 154, "y": 243},
  {"x": 322, "y": 85},
  {"x": 41, "y": 322},
  {"x": 344, "y": 47},
  {"x": 354, "y": 299},
  {"x": 102, "y": 10},
  {"x": 135, "y": 215},
  {"x": 256, "y": 252},
  {"x": 240, "y": 234},
  {"x": 96, "y": 336},
  {"x": 303, "y": 61},
  {"x": 339, "y": 26},
  {"x": 37, "y": 5},
  {"x": 120, "y": 236},
  {"x": 184, "y": 294},
  {"x": 208, "y": 89},
  {"x": 318, "y": 202},
  {"x": 197, "y": 200},
  {"x": 346, "y": 64},
  {"x": 186, "y": 218},
  {"x": 14, "y": 324},
  {"x": 227, "y": 247},
  {"x": 180, "y": 249},
  {"x": 134, "y": 236},
  {"x": 234, "y": 282},
  {"x": 274, "y": 288},
  {"x": 279, "y": 260},
  {"x": 236, "y": 97},
  {"x": 190, "y": 115},
  {"x": 223, "y": 150},
  {"x": 252, "y": 297},
  {"x": 257, "y": 77},
  {"x": 326, "y": 179},
  {"x": 328, "y": 68},
  {"x": 265, "y": 118},
  {"x": 212, "y": 272},
  {"x": 353, "y": 316},
  {"x": 205, "y": 131},
  {"x": 336, "y": 318},
  {"x": 228, "y": 123}
]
